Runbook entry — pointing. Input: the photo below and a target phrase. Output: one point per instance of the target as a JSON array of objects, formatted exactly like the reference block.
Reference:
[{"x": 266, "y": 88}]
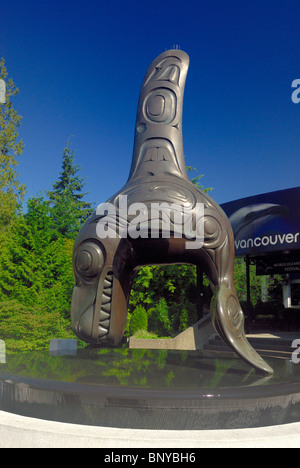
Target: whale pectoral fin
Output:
[{"x": 228, "y": 320}]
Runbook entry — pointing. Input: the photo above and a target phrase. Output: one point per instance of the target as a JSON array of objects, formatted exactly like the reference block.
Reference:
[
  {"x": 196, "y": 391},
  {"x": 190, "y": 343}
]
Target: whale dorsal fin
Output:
[{"x": 158, "y": 144}]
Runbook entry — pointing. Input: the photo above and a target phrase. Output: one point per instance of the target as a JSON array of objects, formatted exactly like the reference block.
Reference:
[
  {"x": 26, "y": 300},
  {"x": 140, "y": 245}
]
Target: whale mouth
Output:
[{"x": 106, "y": 309}]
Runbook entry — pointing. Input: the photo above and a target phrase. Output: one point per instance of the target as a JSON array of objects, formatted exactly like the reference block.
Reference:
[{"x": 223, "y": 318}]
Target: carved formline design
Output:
[
  {"x": 158, "y": 138},
  {"x": 104, "y": 268}
]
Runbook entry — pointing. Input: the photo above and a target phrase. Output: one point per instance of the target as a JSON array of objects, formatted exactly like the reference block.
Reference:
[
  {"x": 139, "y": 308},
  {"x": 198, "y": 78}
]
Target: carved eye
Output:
[{"x": 89, "y": 259}]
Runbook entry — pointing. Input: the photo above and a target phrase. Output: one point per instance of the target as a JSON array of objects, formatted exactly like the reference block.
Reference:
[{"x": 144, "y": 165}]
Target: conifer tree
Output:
[
  {"x": 11, "y": 190},
  {"x": 36, "y": 268},
  {"x": 69, "y": 210}
]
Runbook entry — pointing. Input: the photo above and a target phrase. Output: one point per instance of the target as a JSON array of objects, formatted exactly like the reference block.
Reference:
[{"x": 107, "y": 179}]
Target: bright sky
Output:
[{"x": 79, "y": 66}]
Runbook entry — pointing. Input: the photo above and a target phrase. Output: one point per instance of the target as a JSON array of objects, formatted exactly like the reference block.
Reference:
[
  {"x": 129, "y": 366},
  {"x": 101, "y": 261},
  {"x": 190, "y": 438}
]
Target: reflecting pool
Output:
[{"x": 154, "y": 389}]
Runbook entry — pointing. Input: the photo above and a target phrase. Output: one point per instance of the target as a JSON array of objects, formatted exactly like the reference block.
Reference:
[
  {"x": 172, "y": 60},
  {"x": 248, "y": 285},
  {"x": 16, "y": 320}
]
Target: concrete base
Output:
[
  {"x": 63, "y": 347},
  {"x": 2, "y": 352},
  {"x": 193, "y": 338},
  {"x": 22, "y": 432}
]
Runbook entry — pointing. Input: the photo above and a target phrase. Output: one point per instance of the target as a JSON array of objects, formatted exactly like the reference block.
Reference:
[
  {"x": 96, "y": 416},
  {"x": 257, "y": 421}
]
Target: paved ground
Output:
[
  {"x": 21, "y": 432},
  {"x": 284, "y": 335}
]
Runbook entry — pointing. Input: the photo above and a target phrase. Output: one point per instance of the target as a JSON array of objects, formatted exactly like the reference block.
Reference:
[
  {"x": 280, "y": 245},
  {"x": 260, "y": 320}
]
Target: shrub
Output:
[
  {"x": 138, "y": 320},
  {"x": 144, "y": 334},
  {"x": 27, "y": 328},
  {"x": 159, "y": 321}
]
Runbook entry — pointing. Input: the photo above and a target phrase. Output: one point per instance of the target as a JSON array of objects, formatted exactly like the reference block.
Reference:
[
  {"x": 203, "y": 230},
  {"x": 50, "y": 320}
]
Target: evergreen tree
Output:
[
  {"x": 36, "y": 281},
  {"x": 69, "y": 210},
  {"x": 139, "y": 320},
  {"x": 35, "y": 265},
  {"x": 29, "y": 328},
  {"x": 159, "y": 320},
  {"x": 11, "y": 191}
]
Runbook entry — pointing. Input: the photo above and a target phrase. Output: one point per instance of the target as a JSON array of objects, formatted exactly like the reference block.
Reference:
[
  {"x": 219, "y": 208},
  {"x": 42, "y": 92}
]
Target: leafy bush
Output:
[
  {"x": 159, "y": 321},
  {"x": 138, "y": 320},
  {"x": 144, "y": 334},
  {"x": 25, "y": 328}
]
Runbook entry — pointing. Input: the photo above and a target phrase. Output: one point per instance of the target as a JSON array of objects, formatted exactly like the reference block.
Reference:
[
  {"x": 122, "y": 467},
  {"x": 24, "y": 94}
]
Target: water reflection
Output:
[{"x": 140, "y": 368}]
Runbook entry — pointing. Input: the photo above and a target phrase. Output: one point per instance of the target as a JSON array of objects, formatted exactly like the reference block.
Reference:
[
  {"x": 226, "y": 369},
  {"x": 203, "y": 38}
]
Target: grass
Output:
[{"x": 146, "y": 335}]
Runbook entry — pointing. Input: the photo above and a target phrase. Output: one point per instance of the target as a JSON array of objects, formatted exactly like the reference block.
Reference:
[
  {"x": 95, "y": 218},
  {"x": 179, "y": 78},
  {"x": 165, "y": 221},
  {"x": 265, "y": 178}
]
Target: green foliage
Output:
[
  {"x": 142, "y": 291},
  {"x": 173, "y": 282},
  {"x": 36, "y": 281},
  {"x": 11, "y": 190},
  {"x": 35, "y": 266},
  {"x": 274, "y": 284},
  {"x": 159, "y": 321},
  {"x": 169, "y": 294},
  {"x": 27, "y": 328},
  {"x": 197, "y": 180},
  {"x": 138, "y": 320},
  {"x": 144, "y": 334},
  {"x": 188, "y": 316}
]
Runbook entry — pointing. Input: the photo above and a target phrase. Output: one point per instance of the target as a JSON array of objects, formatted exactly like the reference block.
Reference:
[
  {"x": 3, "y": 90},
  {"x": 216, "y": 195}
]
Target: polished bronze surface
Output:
[{"x": 104, "y": 266}]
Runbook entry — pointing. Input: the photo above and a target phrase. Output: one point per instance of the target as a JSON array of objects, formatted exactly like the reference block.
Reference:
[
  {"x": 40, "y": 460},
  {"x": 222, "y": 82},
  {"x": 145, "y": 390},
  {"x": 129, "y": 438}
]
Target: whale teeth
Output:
[
  {"x": 105, "y": 299},
  {"x": 105, "y": 324},
  {"x": 105, "y": 312},
  {"x": 103, "y": 315},
  {"x": 107, "y": 284},
  {"x": 102, "y": 332},
  {"x": 106, "y": 307}
]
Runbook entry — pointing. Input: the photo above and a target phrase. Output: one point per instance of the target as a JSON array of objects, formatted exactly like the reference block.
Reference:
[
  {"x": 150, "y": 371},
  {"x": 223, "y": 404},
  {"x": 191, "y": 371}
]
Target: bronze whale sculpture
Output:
[{"x": 105, "y": 265}]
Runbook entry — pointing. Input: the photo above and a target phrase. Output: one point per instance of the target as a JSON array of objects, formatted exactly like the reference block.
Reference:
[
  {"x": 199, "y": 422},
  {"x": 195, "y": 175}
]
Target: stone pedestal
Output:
[
  {"x": 63, "y": 347},
  {"x": 192, "y": 338}
]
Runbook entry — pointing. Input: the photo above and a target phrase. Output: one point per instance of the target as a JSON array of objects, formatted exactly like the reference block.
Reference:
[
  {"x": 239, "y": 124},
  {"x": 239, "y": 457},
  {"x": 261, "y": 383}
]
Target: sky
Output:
[{"x": 79, "y": 66}]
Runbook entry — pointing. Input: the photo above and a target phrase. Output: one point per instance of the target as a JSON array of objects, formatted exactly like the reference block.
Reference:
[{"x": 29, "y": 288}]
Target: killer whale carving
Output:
[
  {"x": 243, "y": 220},
  {"x": 104, "y": 268}
]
